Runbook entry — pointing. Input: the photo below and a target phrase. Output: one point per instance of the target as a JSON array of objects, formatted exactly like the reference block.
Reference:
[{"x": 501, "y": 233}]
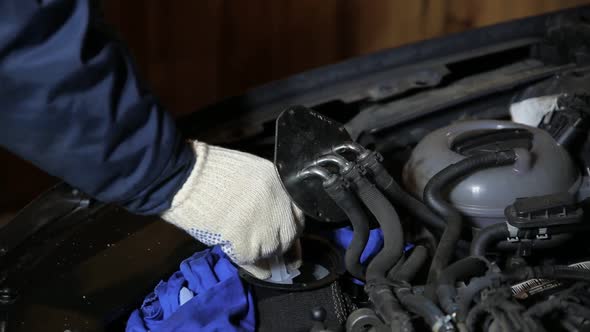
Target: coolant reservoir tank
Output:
[{"x": 543, "y": 167}]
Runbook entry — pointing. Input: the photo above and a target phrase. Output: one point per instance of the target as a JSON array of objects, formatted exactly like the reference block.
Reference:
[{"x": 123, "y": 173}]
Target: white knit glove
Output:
[{"x": 236, "y": 200}]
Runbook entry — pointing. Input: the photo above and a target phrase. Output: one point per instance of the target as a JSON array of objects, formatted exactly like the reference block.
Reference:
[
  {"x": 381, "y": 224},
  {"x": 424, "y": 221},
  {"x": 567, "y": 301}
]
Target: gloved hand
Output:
[{"x": 236, "y": 200}]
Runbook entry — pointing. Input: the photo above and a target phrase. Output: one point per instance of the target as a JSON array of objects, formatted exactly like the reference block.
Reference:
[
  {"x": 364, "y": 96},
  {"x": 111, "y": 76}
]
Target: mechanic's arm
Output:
[{"x": 72, "y": 104}]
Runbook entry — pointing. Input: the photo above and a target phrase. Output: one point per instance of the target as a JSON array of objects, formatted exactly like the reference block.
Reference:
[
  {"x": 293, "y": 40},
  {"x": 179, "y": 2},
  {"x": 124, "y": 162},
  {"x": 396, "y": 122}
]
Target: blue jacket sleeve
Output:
[{"x": 71, "y": 103}]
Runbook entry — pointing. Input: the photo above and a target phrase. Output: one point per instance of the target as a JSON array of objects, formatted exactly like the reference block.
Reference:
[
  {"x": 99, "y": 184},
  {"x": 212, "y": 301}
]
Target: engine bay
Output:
[
  {"x": 477, "y": 230},
  {"x": 446, "y": 187},
  {"x": 481, "y": 208},
  {"x": 483, "y": 214}
]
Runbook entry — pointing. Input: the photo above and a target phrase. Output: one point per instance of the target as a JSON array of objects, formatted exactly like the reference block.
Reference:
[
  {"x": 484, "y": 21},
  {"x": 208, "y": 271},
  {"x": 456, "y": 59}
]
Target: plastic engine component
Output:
[
  {"x": 491, "y": 140},
  {"x": 544, "y": 211},
  {"x": 543, "y": 167}
]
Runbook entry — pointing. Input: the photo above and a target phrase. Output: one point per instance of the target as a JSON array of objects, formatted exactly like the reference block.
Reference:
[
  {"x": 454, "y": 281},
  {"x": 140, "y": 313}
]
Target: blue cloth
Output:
[
  {"x": 72, "y": 104},
  {"x": 221, "y": 302},
  {"x": 342, "y": 237}
]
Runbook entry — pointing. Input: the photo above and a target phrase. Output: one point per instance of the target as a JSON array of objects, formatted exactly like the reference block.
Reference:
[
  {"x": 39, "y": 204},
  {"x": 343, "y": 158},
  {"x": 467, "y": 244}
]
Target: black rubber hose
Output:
[
  {"x": 427, "y": 239},
  {"x": 494, "y": 236},
  {"x": 412, "y": 265},
  {"x": 417, "y": 304},
  {"x": 487, "y": 237},
  {"x": 395, "y": 269},
  {"x": 386, "y": 216},
  {"x": 552, "y": 305},
  {"x": 558, "y": 272},
  {"x": 353, "y": 209},
  {"x": 463, "y": 269},
  {"x": 397, "y": 194},
  {"x": 502, "y": 313},
  {"x": 555, "y": 241},
  {"x": 433, "y": 196},
  {"x": 475, "y": 316},
  {"x": 379, "y": 292},
  {"x": 387, "y": 306},
  {"x": 424, "y": 308},
  {"x": 476, "y": 285}
]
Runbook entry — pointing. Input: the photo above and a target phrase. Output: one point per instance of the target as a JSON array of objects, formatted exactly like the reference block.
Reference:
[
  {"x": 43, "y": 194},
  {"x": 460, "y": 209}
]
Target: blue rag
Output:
[
  {"x": 221, "y": 301},
  {"x": 342, "y": 237}
]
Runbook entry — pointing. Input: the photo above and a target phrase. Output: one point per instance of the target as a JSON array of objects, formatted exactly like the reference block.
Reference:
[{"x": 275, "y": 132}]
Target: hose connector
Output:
[
  {"x": 353, "y": 147},
  {"x": 319, "y": 172},
  {"x": 333, "y": 159}
]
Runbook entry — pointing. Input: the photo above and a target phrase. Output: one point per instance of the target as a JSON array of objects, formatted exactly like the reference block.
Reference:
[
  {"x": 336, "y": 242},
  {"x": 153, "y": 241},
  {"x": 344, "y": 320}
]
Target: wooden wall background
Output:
[{"x": 194, "y": 52}]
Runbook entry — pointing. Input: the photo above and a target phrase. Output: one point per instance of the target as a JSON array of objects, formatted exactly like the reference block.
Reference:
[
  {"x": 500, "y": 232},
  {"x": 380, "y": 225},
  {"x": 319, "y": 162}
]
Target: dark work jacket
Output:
[{"x": 72, "y": 104}]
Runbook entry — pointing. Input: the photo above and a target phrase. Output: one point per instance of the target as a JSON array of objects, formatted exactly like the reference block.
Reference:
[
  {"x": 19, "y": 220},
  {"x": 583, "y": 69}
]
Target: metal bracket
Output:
[{"x": 302, "y": 137}]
